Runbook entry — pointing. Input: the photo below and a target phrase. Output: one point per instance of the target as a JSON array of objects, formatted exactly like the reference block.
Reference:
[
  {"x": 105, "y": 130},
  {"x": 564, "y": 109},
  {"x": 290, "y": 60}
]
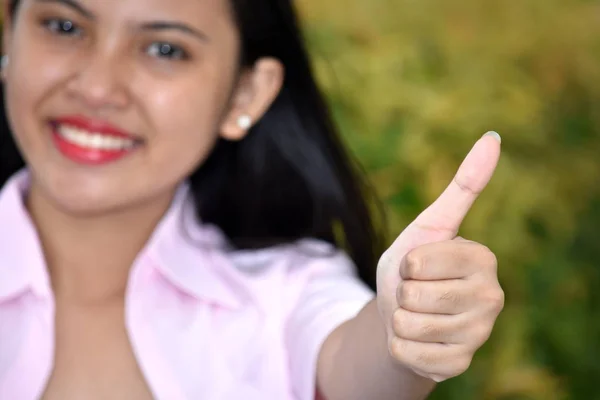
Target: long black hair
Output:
[{"x": 291, "y": 177}]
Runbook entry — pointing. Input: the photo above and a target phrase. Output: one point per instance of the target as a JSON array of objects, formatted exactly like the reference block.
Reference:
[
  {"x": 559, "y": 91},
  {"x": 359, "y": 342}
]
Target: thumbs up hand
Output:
[{"x": 439, "y": 294}]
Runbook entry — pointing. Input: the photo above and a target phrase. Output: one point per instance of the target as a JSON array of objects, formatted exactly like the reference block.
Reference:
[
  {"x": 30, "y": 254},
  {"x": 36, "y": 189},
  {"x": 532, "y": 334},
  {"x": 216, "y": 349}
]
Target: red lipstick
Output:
[{"x": 91, "y": 142}]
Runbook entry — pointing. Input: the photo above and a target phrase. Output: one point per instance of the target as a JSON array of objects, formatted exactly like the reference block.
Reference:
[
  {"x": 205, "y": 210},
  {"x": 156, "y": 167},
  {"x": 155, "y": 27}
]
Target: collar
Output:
[
  {"x": 193, "y": 257},
  {"x": 196, "y": 257},
  {"x": 22, "y": 264}
]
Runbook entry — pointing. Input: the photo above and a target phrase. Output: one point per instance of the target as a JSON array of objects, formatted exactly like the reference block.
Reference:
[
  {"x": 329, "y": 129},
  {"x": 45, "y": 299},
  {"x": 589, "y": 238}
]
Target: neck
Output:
[{"x": 89, "y": 257}]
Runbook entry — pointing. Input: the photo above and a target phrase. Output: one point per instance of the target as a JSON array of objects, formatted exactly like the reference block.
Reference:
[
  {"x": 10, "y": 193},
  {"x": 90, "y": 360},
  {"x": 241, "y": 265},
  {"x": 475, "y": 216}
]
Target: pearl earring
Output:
[
  {"x": 244, "y": 122},
  {"x": 3, "y": 61}
]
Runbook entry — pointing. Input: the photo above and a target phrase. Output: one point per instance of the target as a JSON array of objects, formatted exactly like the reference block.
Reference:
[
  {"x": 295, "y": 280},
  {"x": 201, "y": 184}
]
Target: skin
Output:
[
  {"x": 432, "y": 287},
  {"x": 108, "y": 69},
  {"x": 438, "y": 298}
]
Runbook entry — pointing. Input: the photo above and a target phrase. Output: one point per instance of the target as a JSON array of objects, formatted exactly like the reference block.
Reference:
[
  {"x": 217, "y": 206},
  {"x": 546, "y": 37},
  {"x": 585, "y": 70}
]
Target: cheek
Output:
[
  {"x": 185, "y": 118},
  {"x": 32, "y": 78},
  {"x": 21, "y": 98}
]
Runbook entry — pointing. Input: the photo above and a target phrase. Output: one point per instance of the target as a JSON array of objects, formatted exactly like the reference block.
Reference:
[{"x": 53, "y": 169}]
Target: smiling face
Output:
[{"x": 114, "y": 103}]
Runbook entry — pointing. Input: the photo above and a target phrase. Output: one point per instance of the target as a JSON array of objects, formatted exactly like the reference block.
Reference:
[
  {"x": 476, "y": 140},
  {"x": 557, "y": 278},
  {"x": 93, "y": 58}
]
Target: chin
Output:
[
  {"x": 81, "y": 203},
  {"x": 81, "y": 195}
]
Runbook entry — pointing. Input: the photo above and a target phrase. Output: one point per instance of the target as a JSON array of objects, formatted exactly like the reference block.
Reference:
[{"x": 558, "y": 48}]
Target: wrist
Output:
[{"x": 402, "y": 371}]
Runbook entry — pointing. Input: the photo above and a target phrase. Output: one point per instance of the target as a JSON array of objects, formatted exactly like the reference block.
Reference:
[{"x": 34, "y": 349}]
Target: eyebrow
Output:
[
  {"x": 72, "y": 4},
  {"x": 178, "y": 26}
]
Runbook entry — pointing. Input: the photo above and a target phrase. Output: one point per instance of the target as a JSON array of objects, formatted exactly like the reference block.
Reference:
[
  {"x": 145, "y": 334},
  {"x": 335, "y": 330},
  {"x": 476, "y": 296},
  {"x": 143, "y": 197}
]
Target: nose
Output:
[{"x": 100, "y": 82}]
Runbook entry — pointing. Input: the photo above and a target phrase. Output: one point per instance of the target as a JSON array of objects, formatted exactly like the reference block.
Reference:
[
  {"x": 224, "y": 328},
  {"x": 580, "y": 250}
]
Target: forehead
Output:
[{"x": 199, "y": 11}]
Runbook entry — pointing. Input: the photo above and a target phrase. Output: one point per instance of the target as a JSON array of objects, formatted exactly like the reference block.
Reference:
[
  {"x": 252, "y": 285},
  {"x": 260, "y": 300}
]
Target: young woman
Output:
[{"x": 179, "y": 220}]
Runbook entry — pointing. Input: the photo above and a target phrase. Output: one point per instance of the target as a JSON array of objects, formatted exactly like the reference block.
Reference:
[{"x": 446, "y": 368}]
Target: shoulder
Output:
[
  {"x": 298, "y": 266},
  {"x": 305, "y": 257},
  {"x": 303, "y": 274}
]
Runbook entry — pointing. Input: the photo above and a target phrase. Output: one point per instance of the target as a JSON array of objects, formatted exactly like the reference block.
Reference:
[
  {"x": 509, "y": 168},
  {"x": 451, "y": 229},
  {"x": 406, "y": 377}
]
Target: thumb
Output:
[{"x": 442, "y": 219}]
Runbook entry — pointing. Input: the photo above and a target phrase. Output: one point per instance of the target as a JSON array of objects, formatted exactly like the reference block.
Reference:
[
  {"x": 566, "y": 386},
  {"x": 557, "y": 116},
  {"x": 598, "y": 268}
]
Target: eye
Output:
[
  {"x": 62, "y": 27},
  {"x": 167, "y": 50}
]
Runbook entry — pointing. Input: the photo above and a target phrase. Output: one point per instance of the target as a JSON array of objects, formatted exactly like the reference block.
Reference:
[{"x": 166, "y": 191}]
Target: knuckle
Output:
[
  {"x": 462, "y": 364},
  {"x": 494, "y": 298},
  {"x": 489, "y": 258},
  {"x": 431, "y": 331},
  {"x": 481, "y": 333},
  {"x": 399, "y": 323},
  {"x": 411, "y": 294},
  {"x": 397, "y": 349},
  {"x": 400, "y": 294},
  {"x": 426, "y": 359},
  {"x": 413, "y": 264},
  {"x": 451, "y": 297}
]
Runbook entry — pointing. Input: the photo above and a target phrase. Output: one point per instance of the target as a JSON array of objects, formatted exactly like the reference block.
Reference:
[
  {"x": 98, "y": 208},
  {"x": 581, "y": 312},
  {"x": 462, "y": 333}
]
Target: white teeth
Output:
[{"x": 95, "y": 141}]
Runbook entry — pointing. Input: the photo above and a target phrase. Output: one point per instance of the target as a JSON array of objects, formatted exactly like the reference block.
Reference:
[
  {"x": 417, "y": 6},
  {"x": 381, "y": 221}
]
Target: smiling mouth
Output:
[
  {"x": 93, "y": 140},
  {"x": 89, "y": 143}
]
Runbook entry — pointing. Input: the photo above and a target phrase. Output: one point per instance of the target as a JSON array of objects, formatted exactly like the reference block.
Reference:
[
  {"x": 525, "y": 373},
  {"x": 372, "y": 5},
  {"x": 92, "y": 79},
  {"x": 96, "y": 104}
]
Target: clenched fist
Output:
[{"x": 438, "y": 294}]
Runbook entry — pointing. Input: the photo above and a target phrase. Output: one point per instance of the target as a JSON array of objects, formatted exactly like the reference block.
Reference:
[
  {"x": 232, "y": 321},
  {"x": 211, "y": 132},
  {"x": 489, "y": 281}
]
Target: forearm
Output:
[{"x": 354, "y": 363}]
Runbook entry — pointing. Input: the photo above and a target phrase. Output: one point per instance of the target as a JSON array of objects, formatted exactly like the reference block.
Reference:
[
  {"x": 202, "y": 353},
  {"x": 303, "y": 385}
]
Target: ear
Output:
[
  {"x": 256, "y": 90},
  {"x": 7, "y": 24}
]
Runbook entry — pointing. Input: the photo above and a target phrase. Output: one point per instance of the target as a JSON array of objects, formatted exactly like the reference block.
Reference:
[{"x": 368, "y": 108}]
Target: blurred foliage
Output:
[{"x": 413, "y": 85}]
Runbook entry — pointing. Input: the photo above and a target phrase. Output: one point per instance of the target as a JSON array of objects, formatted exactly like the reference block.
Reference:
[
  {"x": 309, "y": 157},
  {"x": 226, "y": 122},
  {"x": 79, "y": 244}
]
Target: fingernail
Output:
[{"x": 495, "y": 135}]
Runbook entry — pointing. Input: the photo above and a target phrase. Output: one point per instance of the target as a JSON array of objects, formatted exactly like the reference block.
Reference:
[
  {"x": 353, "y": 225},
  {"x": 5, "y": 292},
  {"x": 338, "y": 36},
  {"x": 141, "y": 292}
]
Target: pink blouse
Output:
[{"x": 187, "y": 300}]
